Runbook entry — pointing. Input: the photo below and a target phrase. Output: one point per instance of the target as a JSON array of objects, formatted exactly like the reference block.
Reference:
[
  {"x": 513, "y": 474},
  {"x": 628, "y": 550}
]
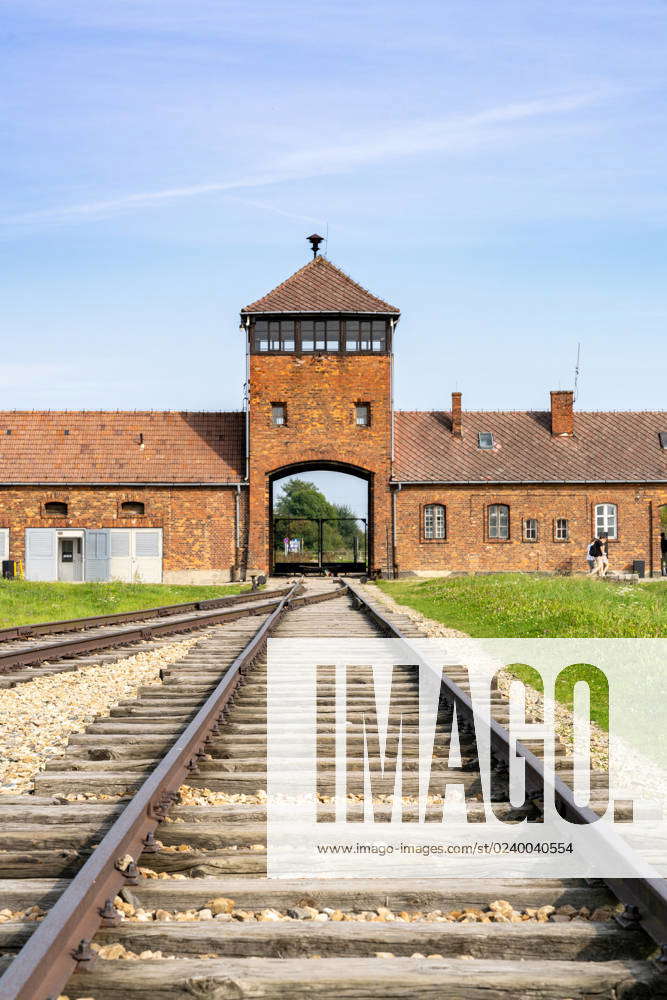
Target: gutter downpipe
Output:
[{"x": 394, "y": 494}]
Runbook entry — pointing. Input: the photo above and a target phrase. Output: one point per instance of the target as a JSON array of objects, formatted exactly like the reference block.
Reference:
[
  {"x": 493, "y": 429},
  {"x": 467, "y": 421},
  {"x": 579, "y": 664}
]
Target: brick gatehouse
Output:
[{"x": 186, "y": 497}]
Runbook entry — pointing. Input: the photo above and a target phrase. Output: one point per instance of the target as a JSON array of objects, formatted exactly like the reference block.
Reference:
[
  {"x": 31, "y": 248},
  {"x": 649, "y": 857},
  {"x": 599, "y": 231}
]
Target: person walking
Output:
[
  {"x": 663, "y": 552},
  {"x": 596, "y": 551},
  {"x": 590, "y": 558},
  {"x": 605, "y": 554}
]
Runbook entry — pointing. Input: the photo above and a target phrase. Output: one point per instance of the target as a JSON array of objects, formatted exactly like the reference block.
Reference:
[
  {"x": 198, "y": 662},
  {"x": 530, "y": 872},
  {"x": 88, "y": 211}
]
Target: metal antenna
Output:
[
  {"x": 576, "y": 370},
  {"x": 326, "y": 239}
]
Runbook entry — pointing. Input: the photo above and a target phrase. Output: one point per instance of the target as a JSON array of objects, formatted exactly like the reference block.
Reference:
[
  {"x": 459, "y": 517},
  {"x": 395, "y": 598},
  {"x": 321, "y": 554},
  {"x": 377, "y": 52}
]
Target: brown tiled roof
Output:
[
  {"x": 606, "y": 447},
  {"x": 107, "y": 447},
  {"x": 320, "y": 287}
]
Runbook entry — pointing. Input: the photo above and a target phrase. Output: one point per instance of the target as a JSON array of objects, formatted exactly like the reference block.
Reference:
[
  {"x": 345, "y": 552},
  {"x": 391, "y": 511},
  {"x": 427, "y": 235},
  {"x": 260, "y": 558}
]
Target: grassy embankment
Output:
[
  {"x": 23, "y": 602},
  {"x": 513, "y": 605}
]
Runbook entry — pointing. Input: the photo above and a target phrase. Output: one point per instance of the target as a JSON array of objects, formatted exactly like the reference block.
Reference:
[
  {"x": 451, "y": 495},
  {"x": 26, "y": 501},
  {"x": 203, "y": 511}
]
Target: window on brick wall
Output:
[
  {"x": 499, "y": 521},
  {"x": 362, "y": 414},
  {"x": 133, "y": 508},
  {"x": 278, "y": 414},
  {"x": 561, "y": 529},
  {"x": 606, "y": 520},
  {"x": 530, "y": 529},
  {"x": 435, "y": 522},
  {"x": 57, "y": 508}
]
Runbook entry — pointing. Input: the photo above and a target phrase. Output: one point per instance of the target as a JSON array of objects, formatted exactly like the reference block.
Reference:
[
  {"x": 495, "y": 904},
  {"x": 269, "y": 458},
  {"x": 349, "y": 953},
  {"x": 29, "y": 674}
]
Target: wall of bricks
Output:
[
  {"x": 320, "y": 392},
  {"x": 199, "y": 525},
  {"x": 467, "y": 546}
]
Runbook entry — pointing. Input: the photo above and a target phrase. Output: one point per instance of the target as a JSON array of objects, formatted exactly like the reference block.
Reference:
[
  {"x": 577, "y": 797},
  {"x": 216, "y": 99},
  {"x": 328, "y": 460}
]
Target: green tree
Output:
[{"x": 302, "y": 499}]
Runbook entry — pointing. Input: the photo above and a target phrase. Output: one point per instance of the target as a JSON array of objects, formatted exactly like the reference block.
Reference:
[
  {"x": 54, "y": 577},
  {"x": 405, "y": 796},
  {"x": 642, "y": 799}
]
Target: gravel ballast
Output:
[{"x": 37, "y": 718}]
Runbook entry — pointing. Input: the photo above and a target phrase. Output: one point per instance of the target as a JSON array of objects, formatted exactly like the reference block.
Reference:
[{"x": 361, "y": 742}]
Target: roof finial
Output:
[{"x": 315, "y": 241}]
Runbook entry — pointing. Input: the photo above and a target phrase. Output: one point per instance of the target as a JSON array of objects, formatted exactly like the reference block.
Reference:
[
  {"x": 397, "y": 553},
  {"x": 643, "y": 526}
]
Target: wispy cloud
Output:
[{"x": 454, "y": 134}]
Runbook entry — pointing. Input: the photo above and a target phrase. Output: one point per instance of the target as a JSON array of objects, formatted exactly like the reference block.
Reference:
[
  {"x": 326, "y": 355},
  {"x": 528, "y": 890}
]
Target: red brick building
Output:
[{"x": 187, "y": 497}]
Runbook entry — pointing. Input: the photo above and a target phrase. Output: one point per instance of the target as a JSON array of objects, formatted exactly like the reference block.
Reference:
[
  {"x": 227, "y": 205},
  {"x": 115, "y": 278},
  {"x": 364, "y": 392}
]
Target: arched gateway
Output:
[
  {"x": 319, "y": 397},
  {"x": 316, "y": 542}
]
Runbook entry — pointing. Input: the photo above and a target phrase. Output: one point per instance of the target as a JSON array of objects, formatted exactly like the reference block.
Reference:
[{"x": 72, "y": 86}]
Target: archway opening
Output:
[{"x": 320, "y": 516}]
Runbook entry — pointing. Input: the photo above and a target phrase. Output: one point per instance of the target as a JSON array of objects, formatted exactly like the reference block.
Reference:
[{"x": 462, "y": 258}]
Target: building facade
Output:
[{"x": 187, "y": 497}]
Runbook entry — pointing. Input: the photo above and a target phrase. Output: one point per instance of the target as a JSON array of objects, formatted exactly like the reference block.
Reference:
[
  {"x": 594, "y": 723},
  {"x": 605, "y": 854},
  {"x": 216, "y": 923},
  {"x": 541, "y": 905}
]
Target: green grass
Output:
[
  {"x": 516, "y": 605},
  {"x": 23, "y": 602}
]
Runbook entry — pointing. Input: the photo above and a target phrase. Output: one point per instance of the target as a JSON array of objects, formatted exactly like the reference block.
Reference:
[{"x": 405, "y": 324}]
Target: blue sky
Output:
[{"x": 497, "y": 169}]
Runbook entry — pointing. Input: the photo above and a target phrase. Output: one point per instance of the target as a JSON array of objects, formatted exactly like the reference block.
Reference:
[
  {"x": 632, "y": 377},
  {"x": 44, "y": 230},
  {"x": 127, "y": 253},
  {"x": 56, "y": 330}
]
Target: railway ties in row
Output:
[{"x": 233, "y": 932}]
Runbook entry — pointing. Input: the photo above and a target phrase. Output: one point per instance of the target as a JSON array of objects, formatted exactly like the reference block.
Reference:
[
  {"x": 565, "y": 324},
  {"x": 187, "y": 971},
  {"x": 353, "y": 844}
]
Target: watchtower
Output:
[{"x": 319, "y": 374}]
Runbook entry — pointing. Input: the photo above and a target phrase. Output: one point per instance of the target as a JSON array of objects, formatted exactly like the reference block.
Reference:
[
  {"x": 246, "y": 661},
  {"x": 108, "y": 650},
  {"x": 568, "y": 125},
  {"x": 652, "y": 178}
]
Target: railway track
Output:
[
  {"x": 24, "y": 654},
  {"x": 200, "y": 917}
]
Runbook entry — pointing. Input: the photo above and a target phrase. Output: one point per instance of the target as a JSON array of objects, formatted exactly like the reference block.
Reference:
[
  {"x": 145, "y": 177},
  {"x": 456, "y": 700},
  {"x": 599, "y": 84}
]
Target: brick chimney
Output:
[
  {"x": 457, "y": 423},
  {"x": 562, "y": 413}
]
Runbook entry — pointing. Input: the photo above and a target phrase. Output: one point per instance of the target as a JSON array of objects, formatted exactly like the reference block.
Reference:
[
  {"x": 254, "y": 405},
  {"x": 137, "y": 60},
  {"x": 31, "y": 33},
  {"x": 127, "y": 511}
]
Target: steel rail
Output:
[
  {"x": 79, "y": 624},
  {"x": 10, "y": 660},
  {"x": 645, "y": 899},
  {"x": 61, "y": 943}
]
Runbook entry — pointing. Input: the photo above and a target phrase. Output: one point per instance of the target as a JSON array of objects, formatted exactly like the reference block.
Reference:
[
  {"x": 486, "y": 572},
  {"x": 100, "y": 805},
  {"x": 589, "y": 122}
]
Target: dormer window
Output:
[
  {"x": 662, "y": 437},
  {"x": 485, "y": 440}
]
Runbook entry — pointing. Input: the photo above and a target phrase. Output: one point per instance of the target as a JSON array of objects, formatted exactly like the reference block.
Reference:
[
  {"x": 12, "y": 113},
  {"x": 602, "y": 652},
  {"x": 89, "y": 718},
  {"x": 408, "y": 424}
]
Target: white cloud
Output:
[{"x": 454, "y": 134}]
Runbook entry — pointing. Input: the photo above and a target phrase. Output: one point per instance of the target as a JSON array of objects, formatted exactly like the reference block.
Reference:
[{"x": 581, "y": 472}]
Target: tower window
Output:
[
  {"x": 320, "y": 334},
  {"x": 278, "y": 414},
  {"x": 365, "y": 335},
  {"x": 56, "y": 508},
  {"x": 274, "y": 335},
  {"x": 362, "y": 412}
]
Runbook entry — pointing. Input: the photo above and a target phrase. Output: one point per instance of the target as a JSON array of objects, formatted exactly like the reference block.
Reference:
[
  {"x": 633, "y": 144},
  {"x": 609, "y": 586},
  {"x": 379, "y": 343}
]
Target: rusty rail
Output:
[
  {"x": 42, "y": 653},
  {"x": 79, "y": 624},
  {"x": 645, "y": 899},
  {"x": 61, "y": 943}
]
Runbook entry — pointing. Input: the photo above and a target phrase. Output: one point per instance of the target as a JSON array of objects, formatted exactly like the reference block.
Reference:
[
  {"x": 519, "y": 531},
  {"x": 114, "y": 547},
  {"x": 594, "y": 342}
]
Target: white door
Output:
[
  {"x": 136, "y": 555},
  {"x": 4, "y": 543},
  {"x": 147, "y": 555},
  {"x": 120, "y": 561},
  {"x": 97, "y": 554},
  {"x": 41, "y": 554}
]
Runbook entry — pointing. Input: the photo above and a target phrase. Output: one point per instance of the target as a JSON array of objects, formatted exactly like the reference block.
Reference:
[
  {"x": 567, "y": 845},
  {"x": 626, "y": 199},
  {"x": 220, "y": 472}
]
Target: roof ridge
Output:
[{"x": 263, "y": 303}]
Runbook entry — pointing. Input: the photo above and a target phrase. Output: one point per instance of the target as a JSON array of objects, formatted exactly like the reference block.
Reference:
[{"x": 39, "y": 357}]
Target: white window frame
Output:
[
  {"x": 498, "y": 521},
  {"x": 606, "y": 520},
  {"x": 561, "y": 529},
  {"x": 530, "y": 524},
  {"x": 4, "y": 543},
  {"x": 435, "y": 522}
]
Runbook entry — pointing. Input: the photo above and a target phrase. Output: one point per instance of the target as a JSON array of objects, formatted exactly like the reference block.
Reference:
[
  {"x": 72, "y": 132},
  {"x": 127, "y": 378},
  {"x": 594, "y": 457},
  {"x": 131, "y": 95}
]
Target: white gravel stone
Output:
[{"x": 37, "y": 717}]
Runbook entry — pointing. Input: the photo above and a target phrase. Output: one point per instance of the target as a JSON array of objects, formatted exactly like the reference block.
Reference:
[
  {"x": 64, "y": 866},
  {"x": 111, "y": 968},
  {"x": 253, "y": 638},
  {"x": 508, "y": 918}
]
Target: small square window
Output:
[
  {"x": 562, "y": 530},
  {"x": 278, "y": 414},
  {"x": 662, "y": 435},
  {"x": 485, "y": 440},
  {"x": 530, "y": 529},
  {"x": 362, "y": 414}
]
